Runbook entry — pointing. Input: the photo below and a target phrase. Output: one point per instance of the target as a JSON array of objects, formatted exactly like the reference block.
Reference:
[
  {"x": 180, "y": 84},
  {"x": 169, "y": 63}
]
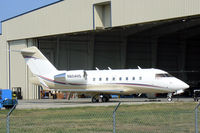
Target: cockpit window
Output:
[{"x": 161, "y": 75}]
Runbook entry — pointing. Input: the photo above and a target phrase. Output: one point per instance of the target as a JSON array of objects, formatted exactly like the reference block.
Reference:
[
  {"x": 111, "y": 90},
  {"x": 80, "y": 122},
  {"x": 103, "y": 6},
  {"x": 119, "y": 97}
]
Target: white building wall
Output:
[
  {"x": 70, "y": 16},
  {"x": 20, "y": 75},
  {"x": 18, "y": 70},
  {"x": 3, "y": 63},
  {"x": 126, "y": 12},
  {"x": 64, "y": 17}
]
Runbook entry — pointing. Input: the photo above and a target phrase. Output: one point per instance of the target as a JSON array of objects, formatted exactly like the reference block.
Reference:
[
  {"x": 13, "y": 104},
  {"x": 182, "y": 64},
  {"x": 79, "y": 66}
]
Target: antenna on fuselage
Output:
[
  {"x": 139, "y": 67},
  {"x": 97, "y": 68},
  {"x": 109, "y": 68}
]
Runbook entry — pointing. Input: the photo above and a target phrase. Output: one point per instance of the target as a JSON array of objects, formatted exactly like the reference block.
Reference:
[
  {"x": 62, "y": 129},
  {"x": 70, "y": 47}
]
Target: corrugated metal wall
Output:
[
  {"x": 139, "y": 52},
  {"x": 107, "y": 50}
]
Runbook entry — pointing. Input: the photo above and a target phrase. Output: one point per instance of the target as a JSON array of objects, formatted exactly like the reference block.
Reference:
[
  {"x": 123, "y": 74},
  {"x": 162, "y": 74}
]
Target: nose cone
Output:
[
  {"x": 185, "y": 86},
  {"x": 178, "y": 84}
]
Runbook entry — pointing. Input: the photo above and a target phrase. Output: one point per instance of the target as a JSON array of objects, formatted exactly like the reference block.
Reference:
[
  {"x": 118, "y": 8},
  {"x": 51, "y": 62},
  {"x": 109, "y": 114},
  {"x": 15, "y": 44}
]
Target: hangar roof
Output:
[{"x": 69, "y": 16}]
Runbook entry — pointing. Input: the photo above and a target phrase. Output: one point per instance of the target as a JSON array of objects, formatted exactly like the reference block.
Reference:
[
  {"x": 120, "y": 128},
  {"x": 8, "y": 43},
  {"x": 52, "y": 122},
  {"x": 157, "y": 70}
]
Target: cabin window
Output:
[
  {"x": 94, "y": 79},
  {"x": 100, "y": 79},
  {"x": 107, "y": 79},
  {"x": 126, "y": 78},
  {"x": 133, "y": 78},
  {"x": 113, "y": 79},
  {"x": 140, "y": 78},
  {"x": 120, "y": 78}
]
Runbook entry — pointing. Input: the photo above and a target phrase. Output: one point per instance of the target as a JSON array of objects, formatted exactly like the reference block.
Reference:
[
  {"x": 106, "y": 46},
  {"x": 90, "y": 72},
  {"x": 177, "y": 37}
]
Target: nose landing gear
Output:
[{"x": 169, "y": 97}]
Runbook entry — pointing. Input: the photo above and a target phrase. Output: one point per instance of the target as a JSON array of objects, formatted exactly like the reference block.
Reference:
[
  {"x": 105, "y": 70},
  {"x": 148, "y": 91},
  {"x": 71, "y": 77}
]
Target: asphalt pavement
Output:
[{"x": 82, "y": 102}]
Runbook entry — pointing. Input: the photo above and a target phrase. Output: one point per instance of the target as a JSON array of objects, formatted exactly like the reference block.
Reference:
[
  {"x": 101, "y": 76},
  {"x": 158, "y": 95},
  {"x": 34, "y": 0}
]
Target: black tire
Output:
[
  {"x": 195, "y": 99},
  {"x": 104, "y": 99},
  {"x": 169, "y": 99},
  {"x": 8, "y": 107},
  {"x": 94, "y": 100}
]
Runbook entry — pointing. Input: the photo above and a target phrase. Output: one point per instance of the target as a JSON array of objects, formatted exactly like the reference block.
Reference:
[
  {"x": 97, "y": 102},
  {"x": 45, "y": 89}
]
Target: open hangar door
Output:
[
  {"x": 86, "y": 51},
  {"x": 172, "y": 46},
  {"x": 108, "y": 50},
  {"x": 178, "y": 53},
  {"x": 83, "y": 51},
  {"x": 169, "y": 45},
  {"x": 139, "y": 52},
  {"x": 66, "y": 52}
]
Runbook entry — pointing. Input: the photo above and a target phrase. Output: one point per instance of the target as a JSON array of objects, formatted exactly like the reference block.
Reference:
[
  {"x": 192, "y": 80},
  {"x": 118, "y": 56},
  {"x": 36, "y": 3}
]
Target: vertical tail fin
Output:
[{"x": 37, "y": 62}]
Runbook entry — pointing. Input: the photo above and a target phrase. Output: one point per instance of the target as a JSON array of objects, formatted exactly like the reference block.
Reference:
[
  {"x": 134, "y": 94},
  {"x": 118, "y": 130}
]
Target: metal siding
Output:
[
  {"x": 193, "y": 58},
  {"x": 73, "y": 52},
  {"x": 125, "y": 12},
  {"x": 77, "y": 15},
  {"x": 4, "y": 63},
  {"x": 139, "y": 52},
  {"x": 18, "y": 68},
  {"x": 107, "y": 51},
  {"x": 169, "y": 53},
  {"x": 20, "y": 75},
  {"x": 64, "y": 17}
]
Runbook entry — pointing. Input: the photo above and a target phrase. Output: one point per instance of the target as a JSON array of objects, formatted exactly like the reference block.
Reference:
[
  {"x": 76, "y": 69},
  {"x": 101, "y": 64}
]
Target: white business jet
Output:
[{"x": 101, "y": 83}]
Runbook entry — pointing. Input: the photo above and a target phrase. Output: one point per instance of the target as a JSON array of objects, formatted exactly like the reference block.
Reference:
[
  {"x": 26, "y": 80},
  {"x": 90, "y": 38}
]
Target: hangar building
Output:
[{"x": 84, "y": 34}]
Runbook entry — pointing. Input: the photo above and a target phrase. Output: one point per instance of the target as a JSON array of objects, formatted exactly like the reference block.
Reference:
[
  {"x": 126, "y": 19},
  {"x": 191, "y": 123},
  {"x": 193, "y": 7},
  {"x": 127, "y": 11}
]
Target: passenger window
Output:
[
  {"x": 120, "y": 78},
  {"x": 133, "y": 78},
  {"x": 93, "y": 79},
  {"x": 107, "y": 79},
  {"x": 140, "y": 78},
  {"x": 113, "y": 79},
  {"x": 100, "y": 79},
  {"x": 126, "y": 78}
]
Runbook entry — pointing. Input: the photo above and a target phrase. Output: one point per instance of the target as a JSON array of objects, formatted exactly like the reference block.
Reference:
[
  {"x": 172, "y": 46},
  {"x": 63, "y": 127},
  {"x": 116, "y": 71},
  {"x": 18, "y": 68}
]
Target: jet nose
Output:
[
  {"x": 185, "y": 86},
  {"x": 181, "y": 85}
]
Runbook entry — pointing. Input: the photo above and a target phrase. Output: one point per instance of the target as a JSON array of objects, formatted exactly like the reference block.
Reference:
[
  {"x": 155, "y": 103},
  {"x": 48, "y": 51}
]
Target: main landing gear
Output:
[{"x": 100, "y": 98}]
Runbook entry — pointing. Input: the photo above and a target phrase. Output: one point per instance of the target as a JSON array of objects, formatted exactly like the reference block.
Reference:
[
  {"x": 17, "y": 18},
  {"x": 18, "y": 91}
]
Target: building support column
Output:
[
  {"x": 123, "y": 50},
  {"x": 154, "y": 54},
  {"x": 182, "y": 62},
  {"x": 57, "y": 51},
  {"x": 91, "y": 42}
]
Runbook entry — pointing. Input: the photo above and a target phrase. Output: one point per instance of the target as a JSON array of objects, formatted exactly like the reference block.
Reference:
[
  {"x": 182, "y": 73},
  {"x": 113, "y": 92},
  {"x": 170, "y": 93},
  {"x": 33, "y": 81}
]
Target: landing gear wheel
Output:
[
  {"x": 100, "y": 98},
  {"x": 169, "y": 99},
  {"x": 196, "y": 99},
  {"x": 94, "y": 100},
  {"x": 104, "y": 99}
]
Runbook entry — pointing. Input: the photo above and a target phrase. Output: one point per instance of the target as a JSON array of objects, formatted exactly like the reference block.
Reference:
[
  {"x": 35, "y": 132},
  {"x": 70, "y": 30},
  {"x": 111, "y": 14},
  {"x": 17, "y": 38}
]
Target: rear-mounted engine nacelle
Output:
[{"x": 77, "y": 76}]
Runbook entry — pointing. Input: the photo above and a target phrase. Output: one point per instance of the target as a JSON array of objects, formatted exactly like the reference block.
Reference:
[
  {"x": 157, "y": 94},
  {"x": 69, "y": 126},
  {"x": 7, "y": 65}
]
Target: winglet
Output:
[{"x": 139, "y": 67}]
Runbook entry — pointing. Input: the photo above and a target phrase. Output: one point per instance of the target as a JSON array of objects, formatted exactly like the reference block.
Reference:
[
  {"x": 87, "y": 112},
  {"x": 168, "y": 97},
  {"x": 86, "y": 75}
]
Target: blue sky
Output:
[{"x": 11, "y": 8}]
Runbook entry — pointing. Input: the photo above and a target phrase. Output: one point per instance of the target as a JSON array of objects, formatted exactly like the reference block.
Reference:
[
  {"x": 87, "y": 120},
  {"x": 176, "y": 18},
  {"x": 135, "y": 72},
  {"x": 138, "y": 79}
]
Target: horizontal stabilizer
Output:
[
  {"x": 43, "y": 83},
  {"x": 28, "y": 51}
]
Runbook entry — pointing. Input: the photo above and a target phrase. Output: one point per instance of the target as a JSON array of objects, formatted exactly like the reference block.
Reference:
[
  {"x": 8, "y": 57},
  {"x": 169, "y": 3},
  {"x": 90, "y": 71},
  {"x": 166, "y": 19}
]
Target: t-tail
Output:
[{"x": 37, "y": 62}]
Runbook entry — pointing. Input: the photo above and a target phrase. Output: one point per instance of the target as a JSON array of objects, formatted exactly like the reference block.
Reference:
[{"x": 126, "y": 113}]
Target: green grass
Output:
[{"x": 146, "y": 118}]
